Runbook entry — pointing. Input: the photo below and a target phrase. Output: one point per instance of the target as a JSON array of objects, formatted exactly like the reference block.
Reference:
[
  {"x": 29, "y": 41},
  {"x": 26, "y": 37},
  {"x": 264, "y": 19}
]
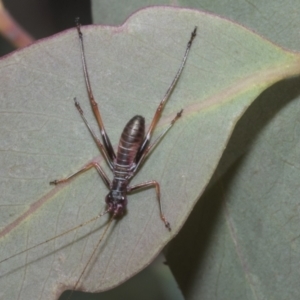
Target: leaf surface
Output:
[{"x": 44, "y": 138}]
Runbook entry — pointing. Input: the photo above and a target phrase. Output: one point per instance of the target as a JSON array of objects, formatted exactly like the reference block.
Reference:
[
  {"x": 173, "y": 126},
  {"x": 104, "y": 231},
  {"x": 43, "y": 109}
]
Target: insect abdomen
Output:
[{"x": 130, "y": 142}]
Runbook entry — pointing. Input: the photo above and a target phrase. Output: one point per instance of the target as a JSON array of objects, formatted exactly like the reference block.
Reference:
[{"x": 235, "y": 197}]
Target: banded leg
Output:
[
  {"x": 148, "y": 184},
  {"x": 168, "y": 93},
  {"x": 94, "y": 104},
  {"x": 103, "y": 149},
  {"x": 151, "y": 147},
  {"x": 87, "y": 167}
]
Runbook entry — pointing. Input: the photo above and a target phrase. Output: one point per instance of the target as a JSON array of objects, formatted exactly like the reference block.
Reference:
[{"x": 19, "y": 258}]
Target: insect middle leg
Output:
[
  {"x": 148, "y": 184},
  {"x": 151, "y": 147},
  {"x": 106, "y": 152}
]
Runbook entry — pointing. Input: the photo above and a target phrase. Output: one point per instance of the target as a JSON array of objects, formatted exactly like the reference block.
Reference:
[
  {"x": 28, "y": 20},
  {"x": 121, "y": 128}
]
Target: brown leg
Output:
[
  {"x": 87, "y": 167},
  {"x": 103, "y": 149},
  {"x": 167, "y": 95},
  {"x": 148, "y": 184},
  {"x": 94, "y": 105},
  {"x": 147, "y": 151}
]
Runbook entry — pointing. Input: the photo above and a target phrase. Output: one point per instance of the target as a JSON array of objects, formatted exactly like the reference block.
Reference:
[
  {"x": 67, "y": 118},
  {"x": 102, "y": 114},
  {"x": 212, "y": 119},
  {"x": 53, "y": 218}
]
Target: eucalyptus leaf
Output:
[{"x": 44, "y": 138}]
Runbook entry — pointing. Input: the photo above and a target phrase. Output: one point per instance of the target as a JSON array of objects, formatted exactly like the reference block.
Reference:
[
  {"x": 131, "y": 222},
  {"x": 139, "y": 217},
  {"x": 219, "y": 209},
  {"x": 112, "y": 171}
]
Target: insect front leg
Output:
[
  {"x": 87, "y": 167},
  {"x": 148, "y": 184},
  {"x": 94, "y": 104}
]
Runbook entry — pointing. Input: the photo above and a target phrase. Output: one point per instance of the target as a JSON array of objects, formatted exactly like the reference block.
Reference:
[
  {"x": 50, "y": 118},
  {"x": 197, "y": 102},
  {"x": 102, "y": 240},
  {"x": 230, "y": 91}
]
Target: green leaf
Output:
[
  {"x": 267, "y": 136},
  {"x": 277, "y": 22},
  {"x": 44, "y": 138},
  {"x": 242, "y": 238}
]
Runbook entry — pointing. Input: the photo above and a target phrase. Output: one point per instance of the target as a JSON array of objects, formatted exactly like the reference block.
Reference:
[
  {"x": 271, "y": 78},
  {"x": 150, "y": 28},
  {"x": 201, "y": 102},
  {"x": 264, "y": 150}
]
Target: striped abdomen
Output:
[{"x": 130, "y": 142}]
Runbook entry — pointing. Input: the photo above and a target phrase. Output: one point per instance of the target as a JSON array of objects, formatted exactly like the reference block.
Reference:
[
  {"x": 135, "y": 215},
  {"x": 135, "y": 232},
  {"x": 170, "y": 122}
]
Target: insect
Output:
[{"x": 133, "y": 149}]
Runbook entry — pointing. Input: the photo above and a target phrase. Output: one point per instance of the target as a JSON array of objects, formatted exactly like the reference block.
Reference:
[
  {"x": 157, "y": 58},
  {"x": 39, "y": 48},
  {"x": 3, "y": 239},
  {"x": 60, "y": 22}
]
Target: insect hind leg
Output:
[
  {"x": 94, "y": 104},
  {"x": 151, "y": 147},
  {"x": 168, "y": 93},
  {"x": 107, "y": 155}
]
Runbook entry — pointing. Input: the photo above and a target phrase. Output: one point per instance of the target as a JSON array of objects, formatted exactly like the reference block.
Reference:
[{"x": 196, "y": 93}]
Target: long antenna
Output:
[
  {"x": 68, "y": 231},
  {"x": 57, "y": 236},
  {"x": 92, "y": 255}
]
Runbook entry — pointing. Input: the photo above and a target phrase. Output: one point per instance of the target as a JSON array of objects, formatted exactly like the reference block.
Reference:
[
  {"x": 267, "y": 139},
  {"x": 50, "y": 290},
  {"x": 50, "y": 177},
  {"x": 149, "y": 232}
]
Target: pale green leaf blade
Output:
[
  {"x": 242, "y": 238},
  {"x": 130, "y": 69}
]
